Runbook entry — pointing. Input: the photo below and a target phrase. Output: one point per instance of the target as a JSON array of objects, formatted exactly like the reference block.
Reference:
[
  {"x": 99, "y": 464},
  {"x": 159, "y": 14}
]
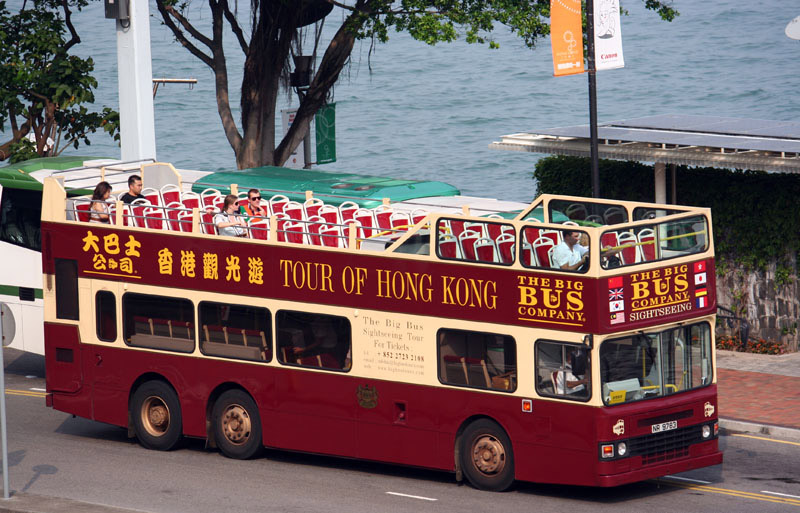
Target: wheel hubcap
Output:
[
  {"x": 236, "y": 424},
  {"x": 155, "y": 416},
  {"x": 488, "y": 455}
]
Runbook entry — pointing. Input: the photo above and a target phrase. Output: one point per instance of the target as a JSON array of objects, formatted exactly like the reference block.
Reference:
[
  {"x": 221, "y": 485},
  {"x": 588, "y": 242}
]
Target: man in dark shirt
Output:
[{"x": 134, "y": 189}]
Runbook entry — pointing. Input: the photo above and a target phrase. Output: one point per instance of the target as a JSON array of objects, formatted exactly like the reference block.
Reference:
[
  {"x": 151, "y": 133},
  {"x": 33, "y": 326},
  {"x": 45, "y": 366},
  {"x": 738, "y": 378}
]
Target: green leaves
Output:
[
  {"x": 43, "y": 87},
  {"x": 433, "y": 21}
]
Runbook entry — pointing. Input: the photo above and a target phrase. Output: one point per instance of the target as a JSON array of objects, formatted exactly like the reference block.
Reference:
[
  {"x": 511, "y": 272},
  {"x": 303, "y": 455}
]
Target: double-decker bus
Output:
[{"x": 450, "y": 341}]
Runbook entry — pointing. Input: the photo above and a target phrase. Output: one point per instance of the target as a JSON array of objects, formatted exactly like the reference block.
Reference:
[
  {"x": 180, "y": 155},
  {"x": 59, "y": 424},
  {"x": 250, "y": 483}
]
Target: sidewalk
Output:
[
  {"x": 29, "y": 503},
  {"x": 759, "y": 394}
]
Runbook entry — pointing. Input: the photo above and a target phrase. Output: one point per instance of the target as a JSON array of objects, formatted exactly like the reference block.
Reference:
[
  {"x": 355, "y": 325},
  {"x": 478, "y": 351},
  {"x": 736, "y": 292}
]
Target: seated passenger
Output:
[
  {"x": 572, "y": 379},
  {"x": 253, "y": 206},
  {"x": 99, "y": 208},
  {"x": 134, "y": 189},
  {"x": 568, "y": 254},
  {"x": 228, "y": 222}
]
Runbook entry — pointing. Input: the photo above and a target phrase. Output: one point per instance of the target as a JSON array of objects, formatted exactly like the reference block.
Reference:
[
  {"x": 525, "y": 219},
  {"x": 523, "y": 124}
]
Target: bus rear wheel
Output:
[
  {"x": 486, "y": 456},
  {"x": 237, "y": 425},
  {"x": 156, "y": 414}
]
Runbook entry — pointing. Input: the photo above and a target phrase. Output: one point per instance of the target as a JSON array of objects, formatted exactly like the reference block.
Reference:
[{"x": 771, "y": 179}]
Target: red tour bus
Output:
[{"x": 572, "y": 343}]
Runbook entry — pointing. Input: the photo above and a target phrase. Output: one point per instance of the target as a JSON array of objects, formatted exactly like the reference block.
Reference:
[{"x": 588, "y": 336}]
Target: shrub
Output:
[{"x": 759, "y": 346}]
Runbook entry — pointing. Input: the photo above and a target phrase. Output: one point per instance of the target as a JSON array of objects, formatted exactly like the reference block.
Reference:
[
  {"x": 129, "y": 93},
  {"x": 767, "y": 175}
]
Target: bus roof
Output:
[
  {"x": 18, "y": 175},
  {"x": 335, "y": 188}
]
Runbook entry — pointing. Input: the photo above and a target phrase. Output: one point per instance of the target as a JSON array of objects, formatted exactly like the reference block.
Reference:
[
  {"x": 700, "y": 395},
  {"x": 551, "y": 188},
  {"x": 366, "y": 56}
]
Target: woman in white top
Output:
[
  {"x": 227, "y": 222},
  {"x": 99, "y": 210}
]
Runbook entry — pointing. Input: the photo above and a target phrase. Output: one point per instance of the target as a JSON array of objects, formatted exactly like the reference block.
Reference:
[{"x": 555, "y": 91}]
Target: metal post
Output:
[
  {"x": 307, "y": 147},
  {"x": 673, "y": 169},
  {"x": 3, "y": 423},
  {"x": 592, "y": 99}
]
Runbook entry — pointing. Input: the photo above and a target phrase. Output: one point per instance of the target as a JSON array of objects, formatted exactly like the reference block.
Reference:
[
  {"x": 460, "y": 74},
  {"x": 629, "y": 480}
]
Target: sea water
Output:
[{"x": 409, "y": 110}]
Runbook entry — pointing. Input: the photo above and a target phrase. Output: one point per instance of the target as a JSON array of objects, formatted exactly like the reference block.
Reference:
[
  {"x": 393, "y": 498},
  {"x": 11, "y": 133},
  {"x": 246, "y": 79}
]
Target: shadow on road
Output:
[{"x": 22, "y": 363}]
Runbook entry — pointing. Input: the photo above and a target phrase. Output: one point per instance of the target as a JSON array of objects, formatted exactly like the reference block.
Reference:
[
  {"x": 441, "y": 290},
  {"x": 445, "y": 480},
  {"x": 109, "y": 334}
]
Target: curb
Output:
[{"x": 741, "y": 426}]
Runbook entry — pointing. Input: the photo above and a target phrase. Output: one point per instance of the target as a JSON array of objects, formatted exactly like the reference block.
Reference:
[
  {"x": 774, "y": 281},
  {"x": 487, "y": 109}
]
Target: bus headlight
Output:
[
  {"x": 607, "y": 450},
  {"x": 706, "y": 431},
  {"x": 622, "y": 449}
]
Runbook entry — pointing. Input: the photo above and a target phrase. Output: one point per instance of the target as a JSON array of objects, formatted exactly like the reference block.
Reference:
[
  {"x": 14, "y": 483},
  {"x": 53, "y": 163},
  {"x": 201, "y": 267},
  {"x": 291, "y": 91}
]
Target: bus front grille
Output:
[{"x": 661, "y": 447}]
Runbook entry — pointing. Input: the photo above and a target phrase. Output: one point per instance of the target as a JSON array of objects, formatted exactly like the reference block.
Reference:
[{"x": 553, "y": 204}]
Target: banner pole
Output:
[{"x": 592, "y": 70}]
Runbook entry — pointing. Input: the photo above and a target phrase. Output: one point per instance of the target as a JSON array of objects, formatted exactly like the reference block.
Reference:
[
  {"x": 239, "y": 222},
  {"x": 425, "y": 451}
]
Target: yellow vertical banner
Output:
[{"x": 566, "y": 37}]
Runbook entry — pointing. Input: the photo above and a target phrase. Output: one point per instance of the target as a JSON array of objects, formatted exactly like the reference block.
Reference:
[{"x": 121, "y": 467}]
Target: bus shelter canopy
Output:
[{"x": 690, "y": 140}]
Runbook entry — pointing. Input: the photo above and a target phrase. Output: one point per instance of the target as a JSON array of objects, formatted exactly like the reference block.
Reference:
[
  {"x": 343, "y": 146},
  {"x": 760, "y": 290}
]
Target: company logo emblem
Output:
[
  {"x": 367, "y": 396},
  {"x": 708, "y": 409},
  {"x": 619, "y": 427}
]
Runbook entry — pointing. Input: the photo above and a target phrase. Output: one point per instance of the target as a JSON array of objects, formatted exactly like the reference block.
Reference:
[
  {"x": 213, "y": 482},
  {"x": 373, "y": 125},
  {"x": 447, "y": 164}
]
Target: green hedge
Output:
[{"x": 756, "y": 215}]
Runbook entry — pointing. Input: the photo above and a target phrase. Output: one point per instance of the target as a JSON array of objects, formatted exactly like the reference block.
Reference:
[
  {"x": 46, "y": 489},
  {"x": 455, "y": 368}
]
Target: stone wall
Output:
[{"x": 772, "y": 309}]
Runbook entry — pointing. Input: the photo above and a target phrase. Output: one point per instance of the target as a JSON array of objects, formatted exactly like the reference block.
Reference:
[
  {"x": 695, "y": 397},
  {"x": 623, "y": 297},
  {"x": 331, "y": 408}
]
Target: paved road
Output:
[{"x": 53, "y": 454}]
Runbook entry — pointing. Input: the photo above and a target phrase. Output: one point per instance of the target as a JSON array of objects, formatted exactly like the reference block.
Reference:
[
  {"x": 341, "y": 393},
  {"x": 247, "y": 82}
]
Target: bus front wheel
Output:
[
  {"x": 487, "y": 458},
  {"x": 237, "y": 426},
  {"x": 156, "y": 415}
]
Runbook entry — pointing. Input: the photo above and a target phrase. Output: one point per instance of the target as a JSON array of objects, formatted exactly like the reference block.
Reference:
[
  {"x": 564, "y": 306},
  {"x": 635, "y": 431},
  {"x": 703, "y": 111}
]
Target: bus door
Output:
[
  {"x": 101, "y": 362},
  {"x": 315, "y": 405}
]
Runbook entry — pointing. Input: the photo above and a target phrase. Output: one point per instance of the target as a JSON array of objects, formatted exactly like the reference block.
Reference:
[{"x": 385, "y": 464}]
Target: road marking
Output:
[
  {"x": 412, "y": 496},
  {"x": 25, "y": 393},
  {"x": 767, "y": 439},
  {"x": 781, "y": 494},
  {"x": 687, "y": 479},
  {"x": 38, "y": 389},
  {"x": 736, "y": 493}
]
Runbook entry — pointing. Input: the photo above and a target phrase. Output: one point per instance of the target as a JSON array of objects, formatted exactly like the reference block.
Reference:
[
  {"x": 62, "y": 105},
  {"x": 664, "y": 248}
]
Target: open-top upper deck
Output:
[{"x": 647, "y": 264}]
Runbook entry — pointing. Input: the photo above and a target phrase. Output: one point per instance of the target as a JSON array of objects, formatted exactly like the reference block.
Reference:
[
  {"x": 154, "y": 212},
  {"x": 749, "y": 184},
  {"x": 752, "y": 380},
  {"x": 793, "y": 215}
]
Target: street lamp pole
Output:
[{"x": 592, "y": 99}]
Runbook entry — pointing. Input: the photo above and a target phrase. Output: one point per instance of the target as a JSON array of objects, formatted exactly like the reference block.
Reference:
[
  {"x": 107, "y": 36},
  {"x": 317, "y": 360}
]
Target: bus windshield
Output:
[{"x": 655, "y": 364}]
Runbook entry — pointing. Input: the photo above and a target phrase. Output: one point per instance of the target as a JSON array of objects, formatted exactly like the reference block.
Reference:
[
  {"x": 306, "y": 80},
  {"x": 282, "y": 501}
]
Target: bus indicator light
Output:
[
  {"x": 527, "y": 406},
  {"x": 607, "y": 450}
]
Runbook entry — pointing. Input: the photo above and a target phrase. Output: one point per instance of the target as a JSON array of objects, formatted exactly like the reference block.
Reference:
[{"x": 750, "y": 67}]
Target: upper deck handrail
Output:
[{"x": 392, "y": 239}]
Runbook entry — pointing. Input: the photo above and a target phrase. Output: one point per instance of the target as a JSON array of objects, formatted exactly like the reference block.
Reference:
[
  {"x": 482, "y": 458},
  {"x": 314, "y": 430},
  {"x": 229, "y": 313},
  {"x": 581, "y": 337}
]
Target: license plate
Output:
[{"x": 665, "y": 426}]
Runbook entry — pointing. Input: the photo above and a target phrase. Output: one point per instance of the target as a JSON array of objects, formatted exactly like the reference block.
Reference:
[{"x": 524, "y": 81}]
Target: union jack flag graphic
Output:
[{"x": 614, "y": 294}]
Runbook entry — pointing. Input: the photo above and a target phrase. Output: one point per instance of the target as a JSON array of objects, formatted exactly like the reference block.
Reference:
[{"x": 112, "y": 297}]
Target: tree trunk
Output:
[
  {"x": 267, "y": 56},
  {"x": 333, "y": 62}
]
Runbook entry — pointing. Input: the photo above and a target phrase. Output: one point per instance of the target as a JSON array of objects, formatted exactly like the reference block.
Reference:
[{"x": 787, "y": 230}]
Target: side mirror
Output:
[{"x": 588, "y": 341}]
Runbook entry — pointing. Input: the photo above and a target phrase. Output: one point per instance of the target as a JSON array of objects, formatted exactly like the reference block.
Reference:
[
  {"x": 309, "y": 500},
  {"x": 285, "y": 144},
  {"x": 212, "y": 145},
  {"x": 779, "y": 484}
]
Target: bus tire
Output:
[
  {"x": 156, "y": 415},
  {"x": 237, "y": 425},
  {"x": 487, "y": 458}
]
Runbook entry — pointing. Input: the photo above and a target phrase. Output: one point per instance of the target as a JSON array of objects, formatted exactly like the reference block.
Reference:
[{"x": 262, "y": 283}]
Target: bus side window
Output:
[
  {"x": 67, "y": 289},
  {"x": 476, "y": 359},
  {"x": 106, "y": 308},
  {"x": 563, "y": 370},
  {"x": 235, "y": 331},
  {"x": 158, "y": 322},
  {"x": 314, "y": 340}
]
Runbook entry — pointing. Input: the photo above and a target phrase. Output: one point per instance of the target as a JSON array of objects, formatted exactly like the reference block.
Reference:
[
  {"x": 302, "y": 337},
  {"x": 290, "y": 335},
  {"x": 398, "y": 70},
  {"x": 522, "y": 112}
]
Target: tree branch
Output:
[
  {"x": 221, "y": 76},
  {"x": 234, "y": 23},
  {"x": 68, "y": 20},
  {"x": 167, "y": 13}
]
